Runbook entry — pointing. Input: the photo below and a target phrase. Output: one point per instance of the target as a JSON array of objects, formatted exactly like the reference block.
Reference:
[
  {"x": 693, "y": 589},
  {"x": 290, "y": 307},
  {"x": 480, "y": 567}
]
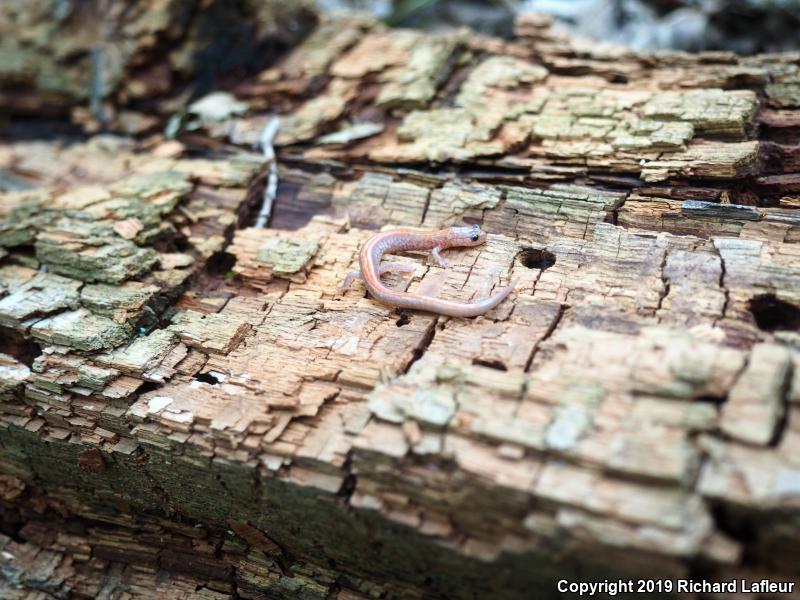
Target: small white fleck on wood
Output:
[{"x": 158, "y": 403}]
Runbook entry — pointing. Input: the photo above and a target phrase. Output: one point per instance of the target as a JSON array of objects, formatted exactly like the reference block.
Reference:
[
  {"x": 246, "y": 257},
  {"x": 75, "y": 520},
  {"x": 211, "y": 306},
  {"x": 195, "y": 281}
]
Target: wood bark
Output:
[{"x": 189, "y": 406}]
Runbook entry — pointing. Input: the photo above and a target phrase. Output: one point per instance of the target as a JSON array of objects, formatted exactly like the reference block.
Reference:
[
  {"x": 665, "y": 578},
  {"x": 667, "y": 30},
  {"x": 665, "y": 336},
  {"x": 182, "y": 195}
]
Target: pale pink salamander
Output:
[{"x": 401, "y": 240}]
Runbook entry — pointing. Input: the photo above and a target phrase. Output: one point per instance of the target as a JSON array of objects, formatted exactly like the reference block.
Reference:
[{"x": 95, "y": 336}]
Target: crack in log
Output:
[
  {"x": 665, "y": 282},
  {"x": 562, "y": 310},
  {"x": 786, "y": 405},
  {"x": 721, "y": 284},
  {"x": 423, "y": 345},
  {"x": 425, "y": 206},
  {"x": 616, "y": 208}
]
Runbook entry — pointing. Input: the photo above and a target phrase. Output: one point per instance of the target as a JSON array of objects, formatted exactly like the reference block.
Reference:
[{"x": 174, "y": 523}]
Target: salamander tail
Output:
[{"x": 493, "y": 301}]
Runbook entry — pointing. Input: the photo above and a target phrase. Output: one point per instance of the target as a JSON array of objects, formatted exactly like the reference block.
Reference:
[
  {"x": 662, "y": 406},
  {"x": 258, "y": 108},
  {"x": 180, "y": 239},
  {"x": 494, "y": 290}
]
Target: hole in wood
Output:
[
  {"x": 220, "y": 263},
  {"x": 537, "y": 258},
  {"x": 207, "y": 378},
  {"x": 403, "y": 320},
  {"x": 772, "y": 314}
]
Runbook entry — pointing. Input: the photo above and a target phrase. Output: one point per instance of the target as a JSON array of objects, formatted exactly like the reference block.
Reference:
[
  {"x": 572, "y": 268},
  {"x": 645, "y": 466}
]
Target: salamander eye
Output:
[{"x": 475, "y": 237}]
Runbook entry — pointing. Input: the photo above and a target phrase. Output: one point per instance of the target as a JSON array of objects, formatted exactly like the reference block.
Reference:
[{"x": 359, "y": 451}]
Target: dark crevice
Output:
[
  {"x": 773, "y": 314},
  {"x": 709, "y": 399},
  {"x": 24, "y": 256},
  {"x": 425, "y": 207},
  {"x": 783, "y": 420},
  {"x": 613, "y": 216},
  {"x": 492, "y": 364},
  {"x": 562, "y": 310},
  {"x": 18, "y": 347},
  {"x": 665, "y": 294},
  {"x": 209, "y": 378},
  {"x": 735, "y": 524},
  {"x": 148, "y": 386},
  {"x": 723, "y": 272},
  {"x": 664, "y": 280},
  {"x": 220, "y": 263},
  {"x": 348, "y": 487}
]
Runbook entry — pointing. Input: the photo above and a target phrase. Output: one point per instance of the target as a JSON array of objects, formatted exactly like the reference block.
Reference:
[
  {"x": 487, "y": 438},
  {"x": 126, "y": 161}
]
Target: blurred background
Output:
[
  {"x": 742, "y": 26},
  {"x": 128, "y": 66}
]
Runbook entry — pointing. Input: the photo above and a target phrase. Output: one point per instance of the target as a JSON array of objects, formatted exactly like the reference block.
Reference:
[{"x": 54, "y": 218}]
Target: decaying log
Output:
[{"x": 189, "y": 403}]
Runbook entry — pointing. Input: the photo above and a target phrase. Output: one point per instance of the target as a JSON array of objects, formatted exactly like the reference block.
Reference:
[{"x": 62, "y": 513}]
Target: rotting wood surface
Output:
[{"x": 189, "y": 404}]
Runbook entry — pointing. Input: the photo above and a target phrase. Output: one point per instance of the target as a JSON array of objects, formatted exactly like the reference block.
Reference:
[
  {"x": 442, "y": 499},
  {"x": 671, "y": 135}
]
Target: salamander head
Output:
[{"x": 465, "y": 236}]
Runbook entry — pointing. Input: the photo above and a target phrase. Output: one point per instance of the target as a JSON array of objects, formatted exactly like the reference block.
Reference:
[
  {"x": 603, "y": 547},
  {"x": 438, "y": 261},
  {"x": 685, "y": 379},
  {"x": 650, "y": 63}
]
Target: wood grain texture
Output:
[{"x": 199, "y": 397}]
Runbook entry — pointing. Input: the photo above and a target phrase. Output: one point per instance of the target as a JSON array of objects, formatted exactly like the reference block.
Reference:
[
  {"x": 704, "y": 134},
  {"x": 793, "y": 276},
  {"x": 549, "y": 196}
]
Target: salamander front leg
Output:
[{"x": 437, "y": 258}]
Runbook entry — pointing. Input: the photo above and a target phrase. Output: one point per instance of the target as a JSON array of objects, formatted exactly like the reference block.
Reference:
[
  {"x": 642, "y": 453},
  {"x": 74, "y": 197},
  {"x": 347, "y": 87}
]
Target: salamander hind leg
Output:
[
  {"x": 397, "y": 268},
  {"x": 394, "y": 267},
  {"x": 349, "y": 279}
]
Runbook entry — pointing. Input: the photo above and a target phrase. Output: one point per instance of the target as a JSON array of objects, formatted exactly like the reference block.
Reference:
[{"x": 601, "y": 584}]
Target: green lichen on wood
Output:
[
  {"x": 161, "y": 190},
  {"x": 448, "y": 204},
  {"x": 416, "y": 82},
  {"x": 710, "y": 111},
  {"x": 13, "y": 374},
  {"x": 448, "y": 134},
  {"x": 434, "y": 389},
  {"x": 81, "y": 330},
  {"x": 286, "y": 256},
  {"x": 57, "y": 373},
  {"x": 43, "y": 295},
  {"x": 214, "y": 333},
  {"x": 172, "y": 279},
  {"x": 647, "y": 134},
  {"x": 91, "y": 251},
  {"x": 571, "y": 210},
  {"x": 498, "y": 72},
  {"x": 13, "y": 276},
  {"x": 784, "y": 94},
  {"x": 235, "y": 172},
  {"x": 704, "y": 160},
  {"x": 20, "y": 225},
  {"x": 122, "y": 303},
  {"x": 143, "y": 354}
]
